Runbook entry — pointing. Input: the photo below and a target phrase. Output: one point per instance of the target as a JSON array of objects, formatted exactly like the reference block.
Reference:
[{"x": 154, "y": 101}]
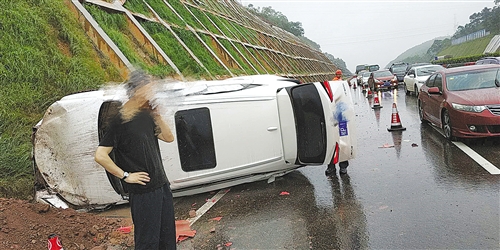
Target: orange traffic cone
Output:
[
  {"x": 369, "y": 93},
  {"x": 395, "y": 121},
  {"x": 376, "y": 103}
]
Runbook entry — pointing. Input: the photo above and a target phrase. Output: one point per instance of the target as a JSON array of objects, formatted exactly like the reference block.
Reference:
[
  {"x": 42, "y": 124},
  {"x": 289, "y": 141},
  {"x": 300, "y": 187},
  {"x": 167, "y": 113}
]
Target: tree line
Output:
[{"x": 488, "y": 19}]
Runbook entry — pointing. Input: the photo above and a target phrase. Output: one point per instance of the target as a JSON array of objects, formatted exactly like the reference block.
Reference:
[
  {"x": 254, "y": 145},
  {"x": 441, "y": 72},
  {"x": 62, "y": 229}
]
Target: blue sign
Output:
[{"x": 343, "y": 128}]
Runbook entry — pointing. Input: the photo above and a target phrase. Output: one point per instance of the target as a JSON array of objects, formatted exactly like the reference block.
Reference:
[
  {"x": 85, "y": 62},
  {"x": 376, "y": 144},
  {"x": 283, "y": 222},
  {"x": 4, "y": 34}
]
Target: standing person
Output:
[
  {"x": 133, "y": 136},
  {"x": 338, "y": 75}
]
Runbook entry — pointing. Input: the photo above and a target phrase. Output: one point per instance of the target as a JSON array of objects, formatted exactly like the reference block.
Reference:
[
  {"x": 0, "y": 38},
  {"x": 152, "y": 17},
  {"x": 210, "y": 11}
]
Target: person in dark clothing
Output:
[{"x": 133, "y": 137}]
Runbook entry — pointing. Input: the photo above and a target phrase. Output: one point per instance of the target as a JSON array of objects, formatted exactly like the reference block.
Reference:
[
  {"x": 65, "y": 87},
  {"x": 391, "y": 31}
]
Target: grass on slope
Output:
[
  {"x": 44, "y": 55},
  {"x": 470, "y": 48}
]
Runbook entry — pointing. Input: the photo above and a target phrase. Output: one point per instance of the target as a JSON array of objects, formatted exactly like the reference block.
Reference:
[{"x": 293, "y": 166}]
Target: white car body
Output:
[
  {"x": 254, "y": 123},
  {"x": 416, "y": 77}
]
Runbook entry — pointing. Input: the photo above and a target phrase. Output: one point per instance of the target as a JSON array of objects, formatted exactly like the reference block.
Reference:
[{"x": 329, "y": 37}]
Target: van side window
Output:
[
  {"x": 309, "y": 123},
  {"x": 195, "y": 139}
]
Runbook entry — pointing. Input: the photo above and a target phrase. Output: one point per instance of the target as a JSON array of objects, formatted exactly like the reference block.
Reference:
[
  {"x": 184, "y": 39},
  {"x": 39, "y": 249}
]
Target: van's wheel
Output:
[
  {"x": 446, "y": 121},
  {"x": 416, "y": 90}
]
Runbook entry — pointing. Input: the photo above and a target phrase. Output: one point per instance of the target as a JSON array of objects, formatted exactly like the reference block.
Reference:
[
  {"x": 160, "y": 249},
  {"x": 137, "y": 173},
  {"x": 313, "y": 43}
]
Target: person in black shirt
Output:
[{"x": 133, "y": 137}]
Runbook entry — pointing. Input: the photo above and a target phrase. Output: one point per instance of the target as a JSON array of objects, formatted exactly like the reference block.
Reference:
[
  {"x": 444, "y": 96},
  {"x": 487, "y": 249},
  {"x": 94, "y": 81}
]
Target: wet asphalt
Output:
[{"x": 411, "y": 189}]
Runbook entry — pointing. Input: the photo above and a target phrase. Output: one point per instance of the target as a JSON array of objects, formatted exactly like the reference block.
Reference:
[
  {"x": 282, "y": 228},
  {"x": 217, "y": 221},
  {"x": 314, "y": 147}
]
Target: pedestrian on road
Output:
[{"x": 133, "y": 137}]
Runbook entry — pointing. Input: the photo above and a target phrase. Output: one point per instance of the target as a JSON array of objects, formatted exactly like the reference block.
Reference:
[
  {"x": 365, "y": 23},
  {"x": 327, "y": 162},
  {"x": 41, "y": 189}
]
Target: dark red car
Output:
[
  {"x": 382, "y": 79},
  {"x": 463, "y": 101}
]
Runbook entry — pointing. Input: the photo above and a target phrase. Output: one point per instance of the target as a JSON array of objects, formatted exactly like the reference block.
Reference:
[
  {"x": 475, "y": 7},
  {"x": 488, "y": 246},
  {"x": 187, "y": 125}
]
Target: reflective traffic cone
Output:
[
  {"x": 395, "y": 121},
  {"x": 54, "y": 243},
  {"x": 369, "y": 93},
  {"x": 376, "y": 103}
]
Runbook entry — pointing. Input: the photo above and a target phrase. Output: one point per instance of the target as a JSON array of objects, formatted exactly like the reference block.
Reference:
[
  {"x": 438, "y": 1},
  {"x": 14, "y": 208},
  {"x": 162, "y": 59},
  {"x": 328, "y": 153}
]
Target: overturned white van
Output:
[{"x": 227, "y": 132}]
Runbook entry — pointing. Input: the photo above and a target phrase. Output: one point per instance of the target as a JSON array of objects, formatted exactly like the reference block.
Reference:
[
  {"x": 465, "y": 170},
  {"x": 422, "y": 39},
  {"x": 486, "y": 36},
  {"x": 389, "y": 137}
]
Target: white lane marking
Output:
[
  {"x": 478, "y": 158},
  {"x": 203, "y": 209}
]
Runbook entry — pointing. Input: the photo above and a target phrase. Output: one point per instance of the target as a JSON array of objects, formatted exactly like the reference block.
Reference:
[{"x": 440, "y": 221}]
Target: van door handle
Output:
[{"x": 272, "y": 128}]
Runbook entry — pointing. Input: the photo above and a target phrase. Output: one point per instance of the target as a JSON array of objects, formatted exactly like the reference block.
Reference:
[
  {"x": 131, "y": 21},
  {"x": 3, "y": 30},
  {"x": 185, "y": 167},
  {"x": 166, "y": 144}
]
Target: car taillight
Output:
[
  {"x": 328, "y": 89},
  {"x": 335, "y": 158}
]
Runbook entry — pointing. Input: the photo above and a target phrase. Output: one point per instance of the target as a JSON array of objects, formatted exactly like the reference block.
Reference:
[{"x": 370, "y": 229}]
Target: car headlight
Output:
[{"x": 468, "y": 108}]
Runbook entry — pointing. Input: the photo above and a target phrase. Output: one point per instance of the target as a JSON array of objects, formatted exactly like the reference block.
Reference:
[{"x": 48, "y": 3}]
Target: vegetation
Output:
[
  {"x": 116, "y": 27},
  {"x": 488, "y": 19},
  {"x": 45, "y": 55},
  {"x": 473, "y": 47},
  {"x": 278, "y": 19}
]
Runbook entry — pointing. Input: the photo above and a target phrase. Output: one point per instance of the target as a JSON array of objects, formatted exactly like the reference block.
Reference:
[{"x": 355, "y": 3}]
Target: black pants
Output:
[{"x": 154, "y": 219}]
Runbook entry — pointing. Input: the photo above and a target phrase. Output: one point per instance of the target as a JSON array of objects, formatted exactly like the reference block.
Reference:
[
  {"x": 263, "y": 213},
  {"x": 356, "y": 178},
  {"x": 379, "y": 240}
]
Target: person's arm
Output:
[
  {"x": 102, "y": 157},
  {"x": 165, "y": 132}
]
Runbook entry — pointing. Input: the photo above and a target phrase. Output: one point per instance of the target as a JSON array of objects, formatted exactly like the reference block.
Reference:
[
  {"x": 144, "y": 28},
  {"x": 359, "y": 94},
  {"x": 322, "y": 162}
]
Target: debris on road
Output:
[{"x": 183, "y": 230}]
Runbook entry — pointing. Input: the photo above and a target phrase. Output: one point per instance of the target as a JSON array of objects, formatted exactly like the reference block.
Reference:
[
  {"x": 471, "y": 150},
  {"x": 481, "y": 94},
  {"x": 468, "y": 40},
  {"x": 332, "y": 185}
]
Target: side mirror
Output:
[{"x": 434, "y": 90}]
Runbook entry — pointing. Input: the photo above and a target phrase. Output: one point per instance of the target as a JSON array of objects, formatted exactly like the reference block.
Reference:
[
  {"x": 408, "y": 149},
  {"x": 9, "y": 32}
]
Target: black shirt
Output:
[{"x": 136, "y": 149}]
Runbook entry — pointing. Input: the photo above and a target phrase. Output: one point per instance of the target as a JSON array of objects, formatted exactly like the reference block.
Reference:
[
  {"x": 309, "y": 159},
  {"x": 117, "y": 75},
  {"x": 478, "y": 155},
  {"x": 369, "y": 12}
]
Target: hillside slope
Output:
[{"x": 416, "y": 54}]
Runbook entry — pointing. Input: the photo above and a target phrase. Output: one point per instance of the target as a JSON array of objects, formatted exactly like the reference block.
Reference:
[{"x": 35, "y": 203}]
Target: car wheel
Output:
[
  {"x": 421, "y": 112},
  {"x": 446, "y": 123},
  {"x": 406, "y": 90},
  {"x": 416, "y": 90}
]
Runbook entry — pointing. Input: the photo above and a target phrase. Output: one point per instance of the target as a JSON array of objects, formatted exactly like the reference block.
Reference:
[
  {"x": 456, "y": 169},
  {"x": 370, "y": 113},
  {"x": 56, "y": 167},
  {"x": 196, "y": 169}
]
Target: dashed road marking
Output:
[
  {"x": 478, "y": 158},
  {"x": 203, "y": 209}
]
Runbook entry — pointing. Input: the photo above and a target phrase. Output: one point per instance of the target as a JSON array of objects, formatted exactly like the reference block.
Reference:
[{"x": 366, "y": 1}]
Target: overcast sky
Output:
[{"x": 374, "y": 31}]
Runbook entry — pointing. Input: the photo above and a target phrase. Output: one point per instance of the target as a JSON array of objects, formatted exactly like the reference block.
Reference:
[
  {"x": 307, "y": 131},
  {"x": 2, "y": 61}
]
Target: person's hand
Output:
[{"x": 138, "y": 178}]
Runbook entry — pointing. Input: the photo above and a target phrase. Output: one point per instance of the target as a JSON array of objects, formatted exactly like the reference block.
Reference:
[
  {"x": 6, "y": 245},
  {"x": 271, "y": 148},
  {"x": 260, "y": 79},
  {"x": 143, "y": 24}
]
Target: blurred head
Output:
[
  {"x": 139, "y": 88},
  {"x": 338, "y": 72}
]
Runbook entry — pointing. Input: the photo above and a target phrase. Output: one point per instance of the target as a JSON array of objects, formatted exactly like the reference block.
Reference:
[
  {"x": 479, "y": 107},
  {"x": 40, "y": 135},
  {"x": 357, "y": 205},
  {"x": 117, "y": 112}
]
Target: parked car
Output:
[
  {"x": 415, "y": 65},
  {"x": 382, "y": 79},
  {"x": 463, "y": 101},
  {"x": 489, "y": 60},
  {"x": 227, "y": 132},
  {"x": 416, "y": 77},
  {"x": 399, "y": 69}
]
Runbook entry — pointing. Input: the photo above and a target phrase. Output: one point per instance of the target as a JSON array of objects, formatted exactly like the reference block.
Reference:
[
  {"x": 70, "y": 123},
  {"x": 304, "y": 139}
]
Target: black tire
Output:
[
  {"x": 406, "y": 90},
  {"x": 415, "y": 90},
  {"x": 421, "y": 112},
  {"x": 446, "y": 125}
]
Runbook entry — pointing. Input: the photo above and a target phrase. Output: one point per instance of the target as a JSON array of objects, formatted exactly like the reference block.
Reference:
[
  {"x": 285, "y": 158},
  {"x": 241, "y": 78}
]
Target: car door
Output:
[
  {"x": 409, "y": 80},
  {"x": 435, "y": 100},
  {"x": 424, "y": 97}
]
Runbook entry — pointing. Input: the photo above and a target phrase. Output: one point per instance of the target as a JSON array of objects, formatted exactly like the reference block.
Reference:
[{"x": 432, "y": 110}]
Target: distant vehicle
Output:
[
  {"x": 416, "y": 77},
  {"x": 382, "y": 79},
  {"x": 489, "y": 60},
  {"x": 372, "y": 67},
  {"x": 415, "y": 65},
  {"x": 463, "y": 101},
  {"x": 360, "y": 68},
  {"x": 227, "y": 132},
  {"x": 399, "y": 69},
  {"x": 360, "y": 76}
]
